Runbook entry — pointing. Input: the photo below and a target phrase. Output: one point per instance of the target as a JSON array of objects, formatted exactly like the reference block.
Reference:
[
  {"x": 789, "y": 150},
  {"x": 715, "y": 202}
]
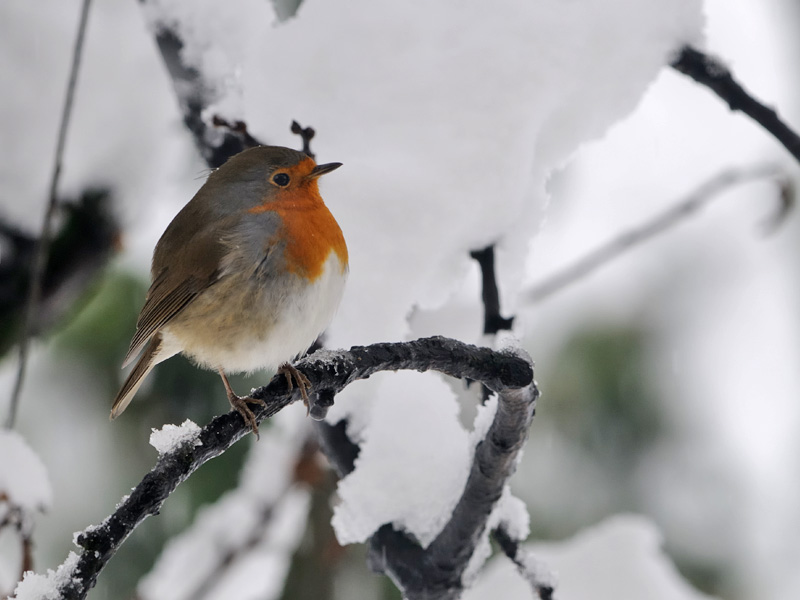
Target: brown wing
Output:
[
  {"x": 164, "y": 301},
  {"x": 189, "y": 263}
]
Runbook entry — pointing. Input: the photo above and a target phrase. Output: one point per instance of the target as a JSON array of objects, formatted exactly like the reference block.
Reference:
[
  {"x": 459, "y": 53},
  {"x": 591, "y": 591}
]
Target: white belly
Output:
[{"x": 270, "y": 328}]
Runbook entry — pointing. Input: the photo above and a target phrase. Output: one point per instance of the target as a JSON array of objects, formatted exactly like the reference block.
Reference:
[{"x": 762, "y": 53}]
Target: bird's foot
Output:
[
  {"x": 239, "y": 404},
  {"x": 296, "y": 378}
]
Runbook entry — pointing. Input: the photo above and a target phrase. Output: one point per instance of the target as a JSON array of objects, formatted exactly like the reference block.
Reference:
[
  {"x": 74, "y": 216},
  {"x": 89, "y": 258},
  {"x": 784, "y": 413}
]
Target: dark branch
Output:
[
  {"x": 306, "y": 134},
  {"x": 436, "y": 572},
  {"x": 503, "y": 372},
  {"x": 337, "y": 446},
  {"x": 493, "y": 321},
  {"x": 239, "y": 128},
  {"x": 713, "y": 74}
]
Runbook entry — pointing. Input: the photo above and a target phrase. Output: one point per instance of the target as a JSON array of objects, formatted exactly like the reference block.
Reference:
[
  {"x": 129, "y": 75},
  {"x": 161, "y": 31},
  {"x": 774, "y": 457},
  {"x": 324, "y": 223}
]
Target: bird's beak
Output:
[{"x": 322, "y": 169}]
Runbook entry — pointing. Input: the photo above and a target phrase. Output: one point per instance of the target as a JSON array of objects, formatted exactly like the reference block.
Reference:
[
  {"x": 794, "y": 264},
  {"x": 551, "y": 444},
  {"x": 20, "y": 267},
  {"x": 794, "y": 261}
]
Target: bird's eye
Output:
[{"x": 281, "y": 179}]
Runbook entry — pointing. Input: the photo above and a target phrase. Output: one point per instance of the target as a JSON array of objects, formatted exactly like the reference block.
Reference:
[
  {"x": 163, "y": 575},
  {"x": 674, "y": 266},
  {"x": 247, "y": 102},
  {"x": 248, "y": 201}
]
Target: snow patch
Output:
[
  {"x": 410, "y": 470},
  {"x": 170, "y": 436},
  {"x": 46, "y": 587}
]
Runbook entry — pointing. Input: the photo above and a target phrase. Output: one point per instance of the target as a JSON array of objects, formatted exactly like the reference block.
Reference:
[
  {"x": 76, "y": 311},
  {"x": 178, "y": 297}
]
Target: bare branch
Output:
[
  {"x": 306, "y": 134},
  {"x": 239, "y": 128},
  {"x": 493, "y": 321},
  {"x": 506, "y": 373},
  {"x": 716, "y": 76},
  {"x": 645, "y": 232},
  {"x": 43, "y": 243}
]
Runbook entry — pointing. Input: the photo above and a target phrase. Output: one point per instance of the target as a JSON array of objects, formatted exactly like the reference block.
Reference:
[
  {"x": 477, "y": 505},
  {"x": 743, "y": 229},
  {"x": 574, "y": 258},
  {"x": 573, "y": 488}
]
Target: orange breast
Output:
[{"x": 309, "y": 228}]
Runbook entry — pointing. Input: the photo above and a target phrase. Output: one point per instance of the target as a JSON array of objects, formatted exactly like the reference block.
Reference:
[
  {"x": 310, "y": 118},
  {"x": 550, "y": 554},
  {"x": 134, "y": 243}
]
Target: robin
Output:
[{"x": 245, "y": 277}]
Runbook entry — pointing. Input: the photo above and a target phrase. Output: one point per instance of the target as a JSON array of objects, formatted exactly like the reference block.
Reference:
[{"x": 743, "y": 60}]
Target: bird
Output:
[{"x": 246, "y": 276}]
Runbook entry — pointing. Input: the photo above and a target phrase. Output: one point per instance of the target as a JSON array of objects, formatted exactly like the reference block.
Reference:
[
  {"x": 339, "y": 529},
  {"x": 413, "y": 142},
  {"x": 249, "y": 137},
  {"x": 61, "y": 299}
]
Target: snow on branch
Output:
[
  {"x": 195, "y": 95},
  {"x": 437, "y": 572},
  {"x": 507, "y": 373},
  {"x": 716, "y": 76},
  {"x": 261, "y": 521}
]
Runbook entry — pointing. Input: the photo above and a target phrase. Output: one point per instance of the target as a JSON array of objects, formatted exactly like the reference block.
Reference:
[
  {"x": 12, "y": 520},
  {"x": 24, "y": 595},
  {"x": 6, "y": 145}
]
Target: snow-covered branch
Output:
[
  {"x": 261, "y": 521},
  {"x": 195, "y": 95},
  {"x": 438, "y": 570},
  {"x": 507, "y": 373}
]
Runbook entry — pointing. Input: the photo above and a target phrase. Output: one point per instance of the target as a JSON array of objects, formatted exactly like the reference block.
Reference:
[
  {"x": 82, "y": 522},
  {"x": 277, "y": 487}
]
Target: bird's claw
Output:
[
  {"x": 295, "y": 378},
  {"x": 239, "y": 404}
]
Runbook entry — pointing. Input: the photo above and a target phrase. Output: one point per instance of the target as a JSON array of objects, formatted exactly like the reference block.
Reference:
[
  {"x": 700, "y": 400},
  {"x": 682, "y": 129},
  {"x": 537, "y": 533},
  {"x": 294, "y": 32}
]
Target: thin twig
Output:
[
  {"x": 659, "y": 224},
  {"x": 237, "y": 127},
  {"x": 306, "y": 134},
  {"x": 43, "y": 244},
  {"x": 716, "y": 76}
]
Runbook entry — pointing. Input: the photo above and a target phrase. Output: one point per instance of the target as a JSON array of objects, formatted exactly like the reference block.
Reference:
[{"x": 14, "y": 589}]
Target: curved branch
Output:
[
  {"x": 713, "y": 74},
  {"x": 329, "y": 372},
  {"x": 436, "y": 571}
]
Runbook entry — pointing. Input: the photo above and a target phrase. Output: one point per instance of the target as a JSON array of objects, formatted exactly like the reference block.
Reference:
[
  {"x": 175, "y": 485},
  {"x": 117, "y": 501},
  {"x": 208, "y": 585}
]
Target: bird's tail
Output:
[{"x": 150, "y": 358}]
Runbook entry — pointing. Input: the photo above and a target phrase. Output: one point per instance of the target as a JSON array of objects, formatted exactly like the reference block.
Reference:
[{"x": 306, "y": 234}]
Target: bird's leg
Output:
[
  {"x": 295, "y": 377},
  {"x": 239, "y": 404}
]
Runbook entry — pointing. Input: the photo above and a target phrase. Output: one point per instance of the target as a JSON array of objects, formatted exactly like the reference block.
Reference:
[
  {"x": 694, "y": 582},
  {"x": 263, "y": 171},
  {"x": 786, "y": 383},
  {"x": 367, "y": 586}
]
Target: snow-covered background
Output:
[{"x": 454, "y": 120}]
